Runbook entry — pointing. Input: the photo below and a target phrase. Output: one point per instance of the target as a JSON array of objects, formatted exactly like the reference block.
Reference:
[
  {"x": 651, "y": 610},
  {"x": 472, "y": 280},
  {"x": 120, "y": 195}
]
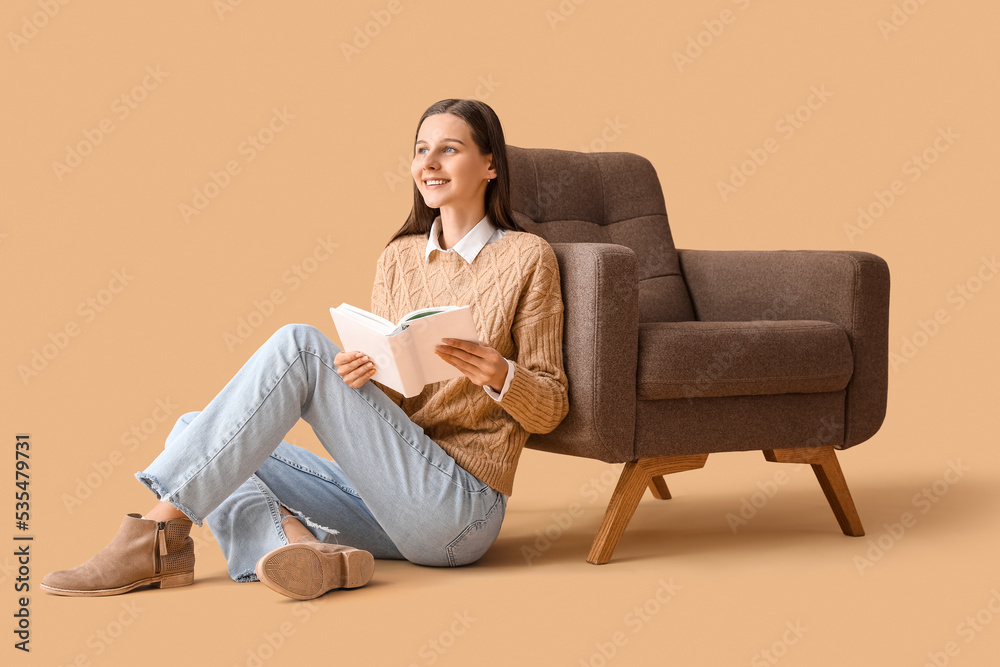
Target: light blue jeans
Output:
[{"x": 392, "y": 490}]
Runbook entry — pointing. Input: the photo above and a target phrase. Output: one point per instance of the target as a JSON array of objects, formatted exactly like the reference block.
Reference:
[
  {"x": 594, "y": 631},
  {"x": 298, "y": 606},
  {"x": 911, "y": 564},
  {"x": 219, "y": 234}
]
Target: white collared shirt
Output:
[
  {"x": 477, "y": 238},
  {"x": 469, "y": 245}
]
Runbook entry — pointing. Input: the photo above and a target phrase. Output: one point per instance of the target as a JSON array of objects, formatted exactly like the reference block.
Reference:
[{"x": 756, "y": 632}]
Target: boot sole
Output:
[
  {"x": 167, "y": 581},
  {"x": 302, "y": 572}
]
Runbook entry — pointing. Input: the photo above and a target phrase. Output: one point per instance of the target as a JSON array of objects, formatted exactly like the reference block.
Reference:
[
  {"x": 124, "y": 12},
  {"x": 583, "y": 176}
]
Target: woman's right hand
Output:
[{"x": 354, "y": 367}]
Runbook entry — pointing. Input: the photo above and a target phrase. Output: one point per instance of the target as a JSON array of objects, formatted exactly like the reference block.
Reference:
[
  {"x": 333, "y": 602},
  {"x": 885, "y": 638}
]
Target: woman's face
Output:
[{"x": 447, "y": 167}]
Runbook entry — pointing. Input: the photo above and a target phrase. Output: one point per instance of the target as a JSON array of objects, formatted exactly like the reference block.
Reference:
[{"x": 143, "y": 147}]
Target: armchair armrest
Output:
[
  {"x": 846, "y": 287},
  {"x": 600, "y": 352}
]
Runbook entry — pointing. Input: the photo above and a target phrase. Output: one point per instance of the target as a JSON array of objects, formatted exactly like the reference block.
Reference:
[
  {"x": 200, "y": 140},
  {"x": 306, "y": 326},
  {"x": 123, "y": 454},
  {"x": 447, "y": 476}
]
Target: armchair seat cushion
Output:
[{"x": 702, "y": 359}]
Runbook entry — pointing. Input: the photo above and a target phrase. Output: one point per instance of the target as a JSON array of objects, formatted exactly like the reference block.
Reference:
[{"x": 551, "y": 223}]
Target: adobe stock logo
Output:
[
  {"x": 900, "y": 16},
  {"x": 697, "y": 43},
  {"x": 562, "y": 12},
  {"x": 924, "y": 500},
  {"x": 88, "y": 310},
  {"x": 960, "y": 296},
  {"x": 915, "y": 167},
  {"x": 93, "y": 477},
  {"x": 363, "y": 35},
  {"x": 122, "y": 108},
  {"x": 787, "y": 126},
  {"x": 31, "y": 25},
  {"x": 779, "y": 648},
  {"x": 635, "y": 619},
  {"x": 967, "y": 629},
  {"x": 223, "y": 7},
  {"x": 612, "y": 130},
  {"x": 248, "y": 149},
  {"x": 294, "y": 277},
  {"x": 434, "y": 648}
]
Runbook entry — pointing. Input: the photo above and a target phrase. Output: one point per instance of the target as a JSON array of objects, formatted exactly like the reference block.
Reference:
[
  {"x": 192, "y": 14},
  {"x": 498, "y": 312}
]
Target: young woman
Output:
[{"x": 425, "y": 478}]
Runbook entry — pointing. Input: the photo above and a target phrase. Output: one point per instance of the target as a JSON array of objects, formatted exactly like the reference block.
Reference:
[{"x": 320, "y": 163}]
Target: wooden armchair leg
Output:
[
  {"x": 658, "y": 486},
  {"x": 831, "y": 478},
  {"x": 634, "y": 479}
]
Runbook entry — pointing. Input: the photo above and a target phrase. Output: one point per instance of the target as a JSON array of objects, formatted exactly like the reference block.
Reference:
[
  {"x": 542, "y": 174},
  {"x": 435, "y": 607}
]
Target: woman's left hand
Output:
[{"x": 481, "y": 364}]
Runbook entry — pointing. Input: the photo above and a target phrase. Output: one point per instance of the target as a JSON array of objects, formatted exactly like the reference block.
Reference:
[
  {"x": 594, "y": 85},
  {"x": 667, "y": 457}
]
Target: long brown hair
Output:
[{"x": 488, "y": 137}]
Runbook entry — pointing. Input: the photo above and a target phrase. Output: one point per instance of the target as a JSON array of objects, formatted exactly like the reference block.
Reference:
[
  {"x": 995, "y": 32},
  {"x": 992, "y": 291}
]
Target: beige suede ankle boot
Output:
[
  {"x": 308, "y": 568},
  {"x": 143, "y": 552}
]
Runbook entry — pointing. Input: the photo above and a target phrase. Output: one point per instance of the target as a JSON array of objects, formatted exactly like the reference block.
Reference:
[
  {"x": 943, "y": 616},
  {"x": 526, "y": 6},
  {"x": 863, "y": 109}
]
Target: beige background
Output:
[{"x": 572, "y": 75}]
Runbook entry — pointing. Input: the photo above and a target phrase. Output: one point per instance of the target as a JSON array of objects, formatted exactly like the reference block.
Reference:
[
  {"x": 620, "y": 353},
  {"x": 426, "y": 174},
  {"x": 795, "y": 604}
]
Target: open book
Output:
[{"x": 403, "y": 352}]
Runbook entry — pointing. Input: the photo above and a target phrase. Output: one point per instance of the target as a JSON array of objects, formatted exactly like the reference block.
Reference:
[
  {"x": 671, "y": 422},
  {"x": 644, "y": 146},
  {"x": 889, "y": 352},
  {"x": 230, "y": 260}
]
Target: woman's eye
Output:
[{"x": 421, "y": 151}]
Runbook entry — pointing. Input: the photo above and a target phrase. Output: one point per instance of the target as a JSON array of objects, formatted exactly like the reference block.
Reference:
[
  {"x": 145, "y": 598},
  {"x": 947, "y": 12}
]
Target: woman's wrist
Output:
[{"x": 503, "y": 377}]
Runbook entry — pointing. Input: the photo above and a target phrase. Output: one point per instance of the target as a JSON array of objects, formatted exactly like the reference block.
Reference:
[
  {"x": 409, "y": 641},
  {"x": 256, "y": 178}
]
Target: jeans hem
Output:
[
  {"x": 161, "y": 493},
  {"x": 246, "y": 577}
]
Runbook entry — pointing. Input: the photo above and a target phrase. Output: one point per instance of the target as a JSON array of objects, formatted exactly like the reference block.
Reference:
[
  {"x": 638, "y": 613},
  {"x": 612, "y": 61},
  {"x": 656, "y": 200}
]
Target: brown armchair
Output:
[{"x": 675, "y": 354}]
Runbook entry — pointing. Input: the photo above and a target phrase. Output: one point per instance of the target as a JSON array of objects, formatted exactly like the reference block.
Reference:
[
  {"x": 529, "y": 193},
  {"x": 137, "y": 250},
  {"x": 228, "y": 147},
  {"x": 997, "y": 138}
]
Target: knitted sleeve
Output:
[
  {"x": 538, "y": 394},
  {"x": 381, "y": 302}
]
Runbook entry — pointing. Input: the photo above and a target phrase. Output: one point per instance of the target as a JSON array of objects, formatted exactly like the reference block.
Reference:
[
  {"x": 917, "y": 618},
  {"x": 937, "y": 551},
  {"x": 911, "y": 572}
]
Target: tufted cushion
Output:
[{"x": 568, "y": 196}]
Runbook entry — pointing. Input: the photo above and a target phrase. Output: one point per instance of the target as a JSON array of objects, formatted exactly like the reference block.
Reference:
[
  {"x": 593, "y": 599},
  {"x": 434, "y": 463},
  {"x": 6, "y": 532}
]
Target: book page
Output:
[
  {"x": 405, "y": 321},
  {"x": 427, "y": 333},
  {"x": 405, "y": 360},
  {"x": 424, "y": 312},
  {"x": 372, "y": 320},
  {"x": 358, "y": 335}
]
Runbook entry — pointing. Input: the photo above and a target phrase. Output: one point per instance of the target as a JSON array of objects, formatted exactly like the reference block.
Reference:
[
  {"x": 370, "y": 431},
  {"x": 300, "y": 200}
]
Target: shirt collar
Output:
[{"x": 470, "y": 244}]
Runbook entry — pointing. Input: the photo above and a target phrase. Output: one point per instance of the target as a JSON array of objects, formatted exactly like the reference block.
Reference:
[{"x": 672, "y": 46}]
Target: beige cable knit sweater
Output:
[{"x": 514, "y": 293}]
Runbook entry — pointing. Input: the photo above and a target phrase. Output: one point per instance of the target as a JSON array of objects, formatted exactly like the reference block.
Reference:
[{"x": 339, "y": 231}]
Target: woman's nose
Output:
[{"x": 427, "y": 161}]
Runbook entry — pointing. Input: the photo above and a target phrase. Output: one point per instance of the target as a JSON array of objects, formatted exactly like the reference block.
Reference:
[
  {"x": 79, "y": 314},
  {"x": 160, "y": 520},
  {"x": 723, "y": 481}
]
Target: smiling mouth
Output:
[{"x": 435, "y": 182}]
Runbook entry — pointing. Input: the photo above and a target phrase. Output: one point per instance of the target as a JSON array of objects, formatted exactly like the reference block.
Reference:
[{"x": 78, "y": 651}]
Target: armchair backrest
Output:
[{"x": 569, "y": 196}]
